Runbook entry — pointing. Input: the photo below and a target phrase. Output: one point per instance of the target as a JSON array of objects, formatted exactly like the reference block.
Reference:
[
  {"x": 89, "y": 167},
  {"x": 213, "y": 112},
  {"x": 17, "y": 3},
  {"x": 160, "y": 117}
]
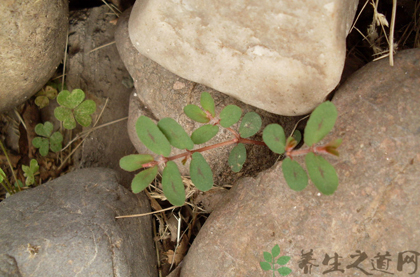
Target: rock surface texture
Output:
[
  {"x": 280, "y": 56},
  {"x": 101, "y": 74},
  {"x": 160, "y": 93},
  {"x": 67, "y": 227},
  {"x": 375, "y": 209},
  {"x": 32, "y": 43}
]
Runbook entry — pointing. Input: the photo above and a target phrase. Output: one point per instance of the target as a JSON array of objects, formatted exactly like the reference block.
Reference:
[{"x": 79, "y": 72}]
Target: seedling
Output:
[
  {"x": 269, "y": 263},
  {"x": 48, "y": 140},
  {"x": 168, "y": 133},
  {"x": 73, "y": 108},
  {"x": 30, "y": 172},
  {"x": 44, "y": 96}
]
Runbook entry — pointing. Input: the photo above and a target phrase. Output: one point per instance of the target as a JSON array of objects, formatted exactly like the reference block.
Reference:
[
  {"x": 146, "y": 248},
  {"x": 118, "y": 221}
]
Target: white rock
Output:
[{"x": 282, "y": 56}]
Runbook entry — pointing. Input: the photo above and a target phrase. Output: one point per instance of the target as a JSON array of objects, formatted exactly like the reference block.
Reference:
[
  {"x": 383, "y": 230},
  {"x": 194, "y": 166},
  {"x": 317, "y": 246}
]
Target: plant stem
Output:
[{"x": 10, "y": 164}]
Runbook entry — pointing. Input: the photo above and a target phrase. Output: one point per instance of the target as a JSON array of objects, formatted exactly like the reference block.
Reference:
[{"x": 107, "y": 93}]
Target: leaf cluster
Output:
[
  {"x": 167, "y": 133},
  {"x": 72, "y": 108},
  {"x": 269, "y": 263},
  {"x": 47, "y": 139}
]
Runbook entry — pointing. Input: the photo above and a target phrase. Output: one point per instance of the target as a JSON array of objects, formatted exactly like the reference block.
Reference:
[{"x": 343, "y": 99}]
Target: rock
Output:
[
  {"x": 374, "y": 210},
  {"x": 67, "y": 227},
  {"x": 280, "y": 56},
  {"x": 101, "y": 74},
  {"x": 160, "y": 93},
  {"x": 32, "y": 44}
]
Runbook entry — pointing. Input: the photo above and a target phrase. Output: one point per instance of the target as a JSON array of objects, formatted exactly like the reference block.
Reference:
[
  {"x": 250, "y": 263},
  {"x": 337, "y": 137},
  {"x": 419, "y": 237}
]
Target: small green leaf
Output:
[
  {"x": 322, "y": 173},
  {"x": 151, "y": 136},
  {"x": 237, "y": 157},
  {"x": 320, "y": 123},
  {"x": 295, "y": 176},
  {"x": 83, "y": 111},
  {"x": 45, "y": 129},
  {"x": 55, "y": 141},
  {"x": 143, "y": 179},
  {"x": 175, "y": 134},
  {"x": 204, "y": 134},
  {"x": 71, "y": 100},
  {"x": 274, "y": 137},
  {"x": 283, "y": 260},
  {"x": 230, "y": 115},
  {"x": 135, "y": 161},
  {"x": 297, "y": 135},
  {"x": 250, "y": 125},
  {"x": 42, "y": 101},
  {"x": 195, "y": 113},
  {"x": 30, "y": 171},
  {"x": 172, "y": 184},
  {"x": 65, "y": 114},
  {"x": 268, "y": 257},
  {"x": 200, "y": 171},
  {"x": 265, "y": 266},
  {"x": 275, "y": 251},
  {"x": 43, "y": 144},
  {"x": 332, "y": 147},
  {"x": 207, "y": 103},
  {"x": 284, "y": 271},
  {"x": 291, "y": 143},
  {"x": 2, "y": 175}
]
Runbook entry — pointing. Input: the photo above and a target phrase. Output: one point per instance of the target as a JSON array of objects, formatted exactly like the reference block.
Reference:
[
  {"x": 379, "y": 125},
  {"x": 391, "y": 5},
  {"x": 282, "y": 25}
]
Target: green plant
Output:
[
  {"x": 44, "y": 96},
  {"x": 73, "y": 108},
  {"x": 30, "y": 172},
  {"x": 269, "y": 263},
  {"x": 48, "y": 140},
  {"x": 167, "y": 133}
]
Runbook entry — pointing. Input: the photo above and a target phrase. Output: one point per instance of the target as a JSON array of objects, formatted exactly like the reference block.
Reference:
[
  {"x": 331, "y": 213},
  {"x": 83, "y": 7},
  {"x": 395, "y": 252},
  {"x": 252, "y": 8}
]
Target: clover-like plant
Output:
[
  {"x": 73, "y": 108},
  {"x": 30, "y": 172},
  {"x": 44, "y": 96},
  {"x": 167, "y": 133},
  {"x": 270, "y": 262},
  {"x": 47, "y": 140}
]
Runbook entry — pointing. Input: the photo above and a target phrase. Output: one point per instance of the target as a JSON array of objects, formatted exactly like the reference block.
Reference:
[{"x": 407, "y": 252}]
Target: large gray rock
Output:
[
  {"x": 280, "y": 56},
  {"x": 32, "y": 43},
  {"x": 67, "y": 227},
  {"x": 160, "y": 93},
  {"x": 374, "y": 210}
]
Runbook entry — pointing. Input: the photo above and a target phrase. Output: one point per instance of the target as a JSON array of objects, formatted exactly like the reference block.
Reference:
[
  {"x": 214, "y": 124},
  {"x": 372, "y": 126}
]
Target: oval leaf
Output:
[
  {"x": 283, "y": 260},
  {"x": 275, "y": 251},
  {"x": 268, "y": 257},
  {"x": 295, "y": 175},
  {"x": 207, "y": 103},
  {"x": 151, "y": 136},
  {"x": 320, "y": 123},
  {"x": 200, "y": 171},
  {"x": 265, "y": 266},
  {"x": 143, "y": 179},
  {"x": 274, "y": 137},
  {"x": 71, "y": 100},
  {"x": 135, "y": 161},
  {"x": 230, "y": 115},
  {"x": 65, "y": 114},
  {"x": 172, "y": 185},
  {"x": 204, "y": 134},
  {"x": 55, "y": 141},
  {"x": 237, "y": 157},
  {"x": 297, "y": 135},
  {"x": 175, "y": 134},
  {"x": 250, "y": 125},
  {"x": 195, "y": 113},
  {"x": 322, "y": 173},
  {"x": 284, "y": 271},
  {"x": 82, "y": 113}
]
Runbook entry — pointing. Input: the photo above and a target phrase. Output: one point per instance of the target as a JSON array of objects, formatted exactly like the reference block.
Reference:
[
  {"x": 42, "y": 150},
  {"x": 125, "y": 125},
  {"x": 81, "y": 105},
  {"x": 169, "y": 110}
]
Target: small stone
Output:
[{"x": 178, "y": 85}]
